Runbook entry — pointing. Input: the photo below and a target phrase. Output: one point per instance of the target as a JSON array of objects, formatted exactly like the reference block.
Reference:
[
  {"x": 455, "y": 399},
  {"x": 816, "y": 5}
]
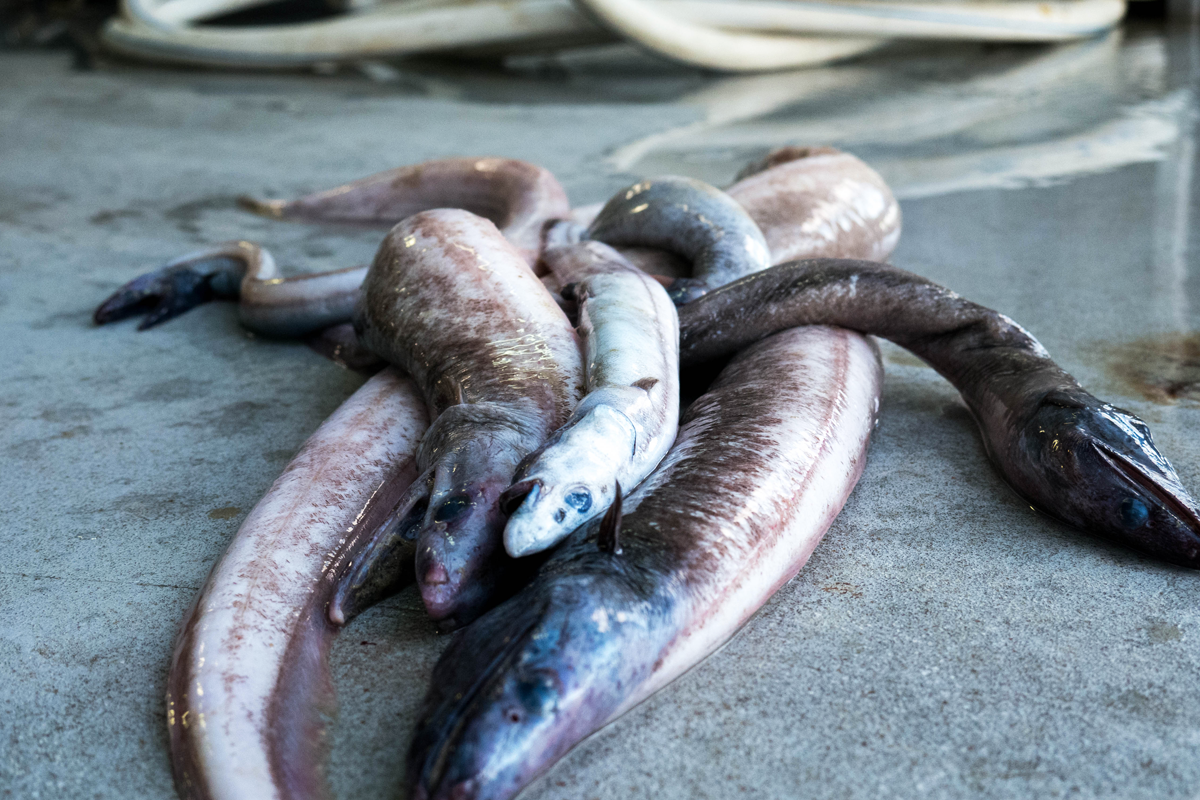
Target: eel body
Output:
[
  {"x": 249, "y": 681},
  {"x": 762, "y": 465},
  {"x": 517, "y": 196},
  {"x": 818, "y": 202},
  {"x": 520, "y": 198},
  {"x": 691, "y": 219},
  {"x": 627, "y": 420},
  {"x": 807, "y": 201},
  {"x": 1071, "y": 455},
  {"x": 453, "y": 303}
]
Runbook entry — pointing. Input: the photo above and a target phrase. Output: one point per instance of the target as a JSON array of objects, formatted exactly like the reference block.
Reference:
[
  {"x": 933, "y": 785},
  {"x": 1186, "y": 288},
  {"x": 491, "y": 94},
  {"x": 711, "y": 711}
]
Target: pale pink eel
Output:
[
  {"x": 520, "y": 198},
  {"x": 249, "y": 681},
  {"x": 452, "y": 302}
]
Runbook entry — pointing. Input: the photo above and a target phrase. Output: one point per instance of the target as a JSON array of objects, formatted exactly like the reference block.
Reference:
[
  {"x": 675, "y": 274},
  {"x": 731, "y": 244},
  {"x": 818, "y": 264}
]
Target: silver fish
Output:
[{"x": 627, "y": 420}]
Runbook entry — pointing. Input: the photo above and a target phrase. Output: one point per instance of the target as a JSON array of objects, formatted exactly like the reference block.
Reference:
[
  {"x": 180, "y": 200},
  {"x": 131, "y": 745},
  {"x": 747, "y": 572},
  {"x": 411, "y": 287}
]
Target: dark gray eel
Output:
[
  {"x": 1074, "y": 457},
  {"x": 689, "y": 218}
]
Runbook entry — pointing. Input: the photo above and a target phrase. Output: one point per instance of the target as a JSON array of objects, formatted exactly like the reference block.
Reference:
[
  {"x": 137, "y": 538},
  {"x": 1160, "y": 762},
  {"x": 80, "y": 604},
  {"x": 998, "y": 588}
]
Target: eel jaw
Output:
[
  {"x": 385, "y": 564},
  {"x": 1098, "y": 467},
  {"x": 515, "y": 691},
  {"x": 460, "y": 561},
  {"x": 180, "y": 285},
  {"x": 1171, "y": 525}
]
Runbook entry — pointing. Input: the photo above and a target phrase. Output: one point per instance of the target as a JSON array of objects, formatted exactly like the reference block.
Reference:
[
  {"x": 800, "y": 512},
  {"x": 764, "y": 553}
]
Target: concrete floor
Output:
[{"x": 945, "y": 641}]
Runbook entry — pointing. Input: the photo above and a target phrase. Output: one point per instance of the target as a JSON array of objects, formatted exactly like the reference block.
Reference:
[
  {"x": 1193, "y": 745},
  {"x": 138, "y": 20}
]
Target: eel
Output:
[
  {"x": 249, "y": 684},
  {"x": 806, "y": 201},
  {"x": 517, "y": 196},
  {"x": 450, "y": 301},
  {"x": 763, "y": 464},
  {"x": 627, "y": 420},
  {"x": 818, "y": 202},
  {"x": 691, "y": 219},
  {"x": 520, "y": 198},
  {"x": 1071, "y": 455}
]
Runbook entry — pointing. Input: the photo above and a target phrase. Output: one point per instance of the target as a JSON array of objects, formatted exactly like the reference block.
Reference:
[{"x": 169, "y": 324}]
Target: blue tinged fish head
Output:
[
  {"x": 569, "y": 481},
  {"x": 1098, "y": 469},
  {"x": 523, "y": 684}
]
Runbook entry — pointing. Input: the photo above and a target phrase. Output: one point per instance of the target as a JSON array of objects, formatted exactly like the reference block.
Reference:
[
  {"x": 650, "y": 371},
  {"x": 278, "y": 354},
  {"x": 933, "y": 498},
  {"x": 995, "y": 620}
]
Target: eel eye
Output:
[
  {"x": 580, "y": 500},
  {"x": 452, "y": 508},
  {"x": 537, "y": 695},
  {"x": 1134, "y": 512}
]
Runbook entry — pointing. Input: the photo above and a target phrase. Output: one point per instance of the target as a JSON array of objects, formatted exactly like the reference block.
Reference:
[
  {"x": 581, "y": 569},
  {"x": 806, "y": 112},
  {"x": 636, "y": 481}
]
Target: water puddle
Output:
[{"x": 1163, "y": 369}]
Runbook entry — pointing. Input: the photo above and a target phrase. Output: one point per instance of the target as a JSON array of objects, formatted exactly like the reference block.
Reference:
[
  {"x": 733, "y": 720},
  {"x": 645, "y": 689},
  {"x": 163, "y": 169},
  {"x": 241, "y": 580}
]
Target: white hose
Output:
[
  {"x": 995, "y": 21},
  {"x": 390, "y": 30},
  {"x": 750, "y": 35}
]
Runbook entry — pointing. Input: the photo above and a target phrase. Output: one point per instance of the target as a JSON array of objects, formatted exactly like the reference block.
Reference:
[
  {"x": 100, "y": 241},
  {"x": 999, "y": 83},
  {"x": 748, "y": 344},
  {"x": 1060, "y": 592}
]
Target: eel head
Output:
[
  {"x": 1098, "y": 467},
  {"x": 181, "y": 285},
  {"x": 568, "y": 481},
  {"x": 459, "y": 559},
  {"x": 522, "y": 685},
  {"x": 472, "y": 451}
]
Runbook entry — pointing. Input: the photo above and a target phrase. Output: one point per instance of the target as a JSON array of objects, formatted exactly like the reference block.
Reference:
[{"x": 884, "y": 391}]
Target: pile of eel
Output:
[{"x": 591, "y": 520}]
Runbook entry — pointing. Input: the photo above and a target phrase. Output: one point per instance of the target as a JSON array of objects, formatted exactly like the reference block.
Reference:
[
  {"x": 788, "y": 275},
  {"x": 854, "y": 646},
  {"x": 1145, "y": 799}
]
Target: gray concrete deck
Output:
[{"x": 945, "y": 641}]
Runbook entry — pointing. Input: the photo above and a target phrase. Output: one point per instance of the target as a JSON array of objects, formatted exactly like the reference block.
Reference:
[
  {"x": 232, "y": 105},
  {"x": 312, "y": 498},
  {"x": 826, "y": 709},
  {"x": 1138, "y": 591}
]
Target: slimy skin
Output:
[
  {"x": 818, "y": 202},
  {"x": 691, "y": 219},
  {"x": 452, "y": 303},
  {"x": 806, "y": 200},
  {"x": 249, "y": 686},
  {"x": 627, "y": 420},
  {"x": 1069, "y": 454},
  {"x": 762, "y": 465},
  {"x": 269, "y": 304},
  {"x": 518, "y": 197}
]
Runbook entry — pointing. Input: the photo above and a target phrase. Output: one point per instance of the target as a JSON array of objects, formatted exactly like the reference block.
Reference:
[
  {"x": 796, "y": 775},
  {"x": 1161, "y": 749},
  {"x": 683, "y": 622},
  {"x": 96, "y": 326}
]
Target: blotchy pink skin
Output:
[
  {"x": 762, "y": 465},
  {"x": 249, "y": 681},
  {"x": 452, "y": 302},
  {"x": 818, "y": 202},
  {"x": 517, "y": 196},
  {"x": 816, "y": 390}
]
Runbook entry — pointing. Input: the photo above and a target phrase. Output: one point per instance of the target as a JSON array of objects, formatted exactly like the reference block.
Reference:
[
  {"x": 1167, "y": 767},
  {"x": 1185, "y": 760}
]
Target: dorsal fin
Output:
[{"x": 609, "y": 539}]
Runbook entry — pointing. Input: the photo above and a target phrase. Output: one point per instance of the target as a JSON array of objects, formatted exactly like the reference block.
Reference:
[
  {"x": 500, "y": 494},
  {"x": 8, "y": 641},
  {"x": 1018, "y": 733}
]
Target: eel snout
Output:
[
  {"x": 458, "y": 567},
  {"x": 1103, "y": 473},
  {"x": 517, "y": 689},
  {"x": 181, "y": 285},
  {"x": 568, "y": 482}
]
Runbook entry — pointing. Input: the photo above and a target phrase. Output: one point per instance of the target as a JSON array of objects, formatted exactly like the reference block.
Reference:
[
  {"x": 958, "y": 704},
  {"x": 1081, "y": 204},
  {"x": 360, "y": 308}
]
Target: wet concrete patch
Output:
[
  {"x": 1163, "y": 369},
  {"x": 108, "y": 217},
  {"x": 228, "y": 512}
]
